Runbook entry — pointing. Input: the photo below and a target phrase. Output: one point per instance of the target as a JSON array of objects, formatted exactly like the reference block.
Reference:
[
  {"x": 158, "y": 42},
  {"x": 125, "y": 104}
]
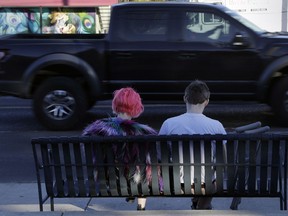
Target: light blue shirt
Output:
[{"x": 192, "y": 123}]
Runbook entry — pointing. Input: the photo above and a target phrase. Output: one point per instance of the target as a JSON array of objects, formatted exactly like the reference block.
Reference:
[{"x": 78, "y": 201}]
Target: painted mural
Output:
[{"x": 47, "y": 20}]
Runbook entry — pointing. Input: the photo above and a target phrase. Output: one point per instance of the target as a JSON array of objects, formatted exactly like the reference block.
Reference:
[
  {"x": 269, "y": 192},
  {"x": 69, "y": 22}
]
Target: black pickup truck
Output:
[{"x": 157, "y": 48}]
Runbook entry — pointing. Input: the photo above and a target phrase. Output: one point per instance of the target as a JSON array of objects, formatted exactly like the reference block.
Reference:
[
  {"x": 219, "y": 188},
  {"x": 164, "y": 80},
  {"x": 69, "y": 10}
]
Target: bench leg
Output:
[
  {"x": 41, "y": 206},
  {"x": 235, "y": 202},
  {"x": 52, "y": 203},
  {"x": 88, "y": 203}
]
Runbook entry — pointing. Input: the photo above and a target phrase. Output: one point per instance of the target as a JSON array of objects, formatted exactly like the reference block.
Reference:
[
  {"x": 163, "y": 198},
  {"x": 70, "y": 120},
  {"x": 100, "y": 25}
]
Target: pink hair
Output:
[{"x": 127, "y": 100}]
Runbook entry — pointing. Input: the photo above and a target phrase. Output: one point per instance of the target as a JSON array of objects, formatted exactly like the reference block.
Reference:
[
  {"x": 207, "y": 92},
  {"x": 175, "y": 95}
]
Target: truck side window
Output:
[
  {"x": 49, "y": 20},
  {"x": 206, "y": 27},
  {"x": 144, "y": 26},
  {"x": 19, "y": 20}
]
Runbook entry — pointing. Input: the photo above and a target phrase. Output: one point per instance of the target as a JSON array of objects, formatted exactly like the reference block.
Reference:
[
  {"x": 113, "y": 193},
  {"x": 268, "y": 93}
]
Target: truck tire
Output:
[
  {"x": 280, "y": 101},
  {"x": 59, "y": 103}
]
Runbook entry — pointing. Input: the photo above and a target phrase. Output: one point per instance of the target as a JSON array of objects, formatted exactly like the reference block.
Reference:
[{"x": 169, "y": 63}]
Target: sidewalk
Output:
[{"x": 18, "y": 199}]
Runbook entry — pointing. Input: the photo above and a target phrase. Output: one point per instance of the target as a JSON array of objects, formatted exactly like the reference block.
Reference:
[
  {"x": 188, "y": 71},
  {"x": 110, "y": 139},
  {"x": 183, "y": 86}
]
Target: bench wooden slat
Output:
[
  {"x": 186, "y": 145},
  {"x": 264, "y": 169},
  {"x": 154, "y": 161},
  {"x": 144, "y": 147},
  {"x": 140, "y": 161},
  {"x": 166, "y": 170},
  {"x": 209, "y": 170},
  {"x": 100, "y": 162},
  {"x": 58, "y": 188},
  {"x": 175, "y": 170},
  {"x": 66, "y": 165},
  {"x": 231, "y": 176},
  {"x": 137, "y": 161},
  {"x": 46, "y": 161},
  {"x": 252, "y": 169},
  {"x": 197, "y": 166},
  {"x": 91, "y": 171},
  {"x": 275, "y": 170},
  {"x": 220, "y": 169},
  {"x": 80, "y": 178},
  {"x": 114, "y": 171},
  {"x": 133, "y": 187},
  {"x": 241, "y": 166}
]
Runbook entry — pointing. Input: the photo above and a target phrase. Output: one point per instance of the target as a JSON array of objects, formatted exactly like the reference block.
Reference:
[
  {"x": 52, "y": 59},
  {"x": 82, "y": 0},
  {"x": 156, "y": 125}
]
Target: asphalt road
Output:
[
  {"x": 16, "y": 114},
  {"x": 18, "y": 125}
]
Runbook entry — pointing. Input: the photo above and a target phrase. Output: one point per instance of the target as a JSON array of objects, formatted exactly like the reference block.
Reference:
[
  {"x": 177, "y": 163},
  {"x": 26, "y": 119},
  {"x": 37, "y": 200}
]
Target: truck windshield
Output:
[{"x": 245, "y": 21}]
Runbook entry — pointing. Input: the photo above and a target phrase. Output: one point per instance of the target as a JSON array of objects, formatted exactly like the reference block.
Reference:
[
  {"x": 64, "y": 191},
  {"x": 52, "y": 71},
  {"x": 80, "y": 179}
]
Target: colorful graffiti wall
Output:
[{"x": 48, "y": 20}]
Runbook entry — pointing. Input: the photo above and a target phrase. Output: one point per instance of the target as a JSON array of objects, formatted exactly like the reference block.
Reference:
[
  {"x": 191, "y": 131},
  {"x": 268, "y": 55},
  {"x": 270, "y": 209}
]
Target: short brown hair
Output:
[{"x": 196, "y": 92}]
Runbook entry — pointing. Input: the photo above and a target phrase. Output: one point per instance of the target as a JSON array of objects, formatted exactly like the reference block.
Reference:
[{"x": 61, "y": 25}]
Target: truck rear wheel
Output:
[
  {"x": 280, "y": 101},
  {"x": 59, "y": 103}
]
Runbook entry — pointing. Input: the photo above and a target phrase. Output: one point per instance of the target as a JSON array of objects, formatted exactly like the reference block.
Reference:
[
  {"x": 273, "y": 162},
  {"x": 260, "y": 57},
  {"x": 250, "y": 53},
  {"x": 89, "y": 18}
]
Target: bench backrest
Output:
[{"x": 90, "y": 166}]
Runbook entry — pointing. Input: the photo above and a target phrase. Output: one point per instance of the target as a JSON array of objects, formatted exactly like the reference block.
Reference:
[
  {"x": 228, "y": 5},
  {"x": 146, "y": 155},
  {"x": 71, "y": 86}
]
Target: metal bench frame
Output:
[{"x": 67, "y": 165}]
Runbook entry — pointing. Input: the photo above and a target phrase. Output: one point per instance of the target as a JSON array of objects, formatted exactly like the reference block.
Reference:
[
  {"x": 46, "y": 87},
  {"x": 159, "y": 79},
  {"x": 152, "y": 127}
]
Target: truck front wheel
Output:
[
  {"x": 280, "y": 101},
  {"x": 59, "y": 103}
]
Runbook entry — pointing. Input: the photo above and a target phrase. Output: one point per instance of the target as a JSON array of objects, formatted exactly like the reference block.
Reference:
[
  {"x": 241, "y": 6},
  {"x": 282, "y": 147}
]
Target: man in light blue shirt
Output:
[{"x": 196, "y": 98}]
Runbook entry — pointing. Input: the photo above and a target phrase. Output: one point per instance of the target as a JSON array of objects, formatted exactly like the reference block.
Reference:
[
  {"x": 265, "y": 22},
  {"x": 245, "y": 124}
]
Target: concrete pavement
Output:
[{"x": 18, "y": 199}]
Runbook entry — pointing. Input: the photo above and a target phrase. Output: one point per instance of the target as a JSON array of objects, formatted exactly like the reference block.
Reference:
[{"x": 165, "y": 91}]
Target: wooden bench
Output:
[{"x": 67, "y": 166}]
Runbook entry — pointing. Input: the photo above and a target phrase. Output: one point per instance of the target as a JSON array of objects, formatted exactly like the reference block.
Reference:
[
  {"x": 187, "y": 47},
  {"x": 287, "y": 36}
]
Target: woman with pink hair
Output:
[{"x": 126, "y": 105}]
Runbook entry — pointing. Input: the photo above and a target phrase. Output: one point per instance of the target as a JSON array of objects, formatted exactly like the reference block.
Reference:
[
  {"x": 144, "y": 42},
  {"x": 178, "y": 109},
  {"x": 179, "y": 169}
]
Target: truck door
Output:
[
  {"x": 159, "y": 51},
  {"x": 208, "y": 52},
  {"x": 143, "y": 52}
]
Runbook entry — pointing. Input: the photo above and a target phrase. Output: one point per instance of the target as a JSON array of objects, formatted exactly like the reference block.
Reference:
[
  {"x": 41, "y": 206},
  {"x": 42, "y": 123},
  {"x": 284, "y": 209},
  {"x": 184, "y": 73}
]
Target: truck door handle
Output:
[
  {"x": 124, "y": 55},
  {"x": 187, "y": 56}
]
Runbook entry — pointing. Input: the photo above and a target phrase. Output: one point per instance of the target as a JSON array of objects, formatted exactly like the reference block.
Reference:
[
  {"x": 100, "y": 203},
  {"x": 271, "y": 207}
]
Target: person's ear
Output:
[
  {"x": 184, "y": 99},
  {"x": 206, "y": 102}
]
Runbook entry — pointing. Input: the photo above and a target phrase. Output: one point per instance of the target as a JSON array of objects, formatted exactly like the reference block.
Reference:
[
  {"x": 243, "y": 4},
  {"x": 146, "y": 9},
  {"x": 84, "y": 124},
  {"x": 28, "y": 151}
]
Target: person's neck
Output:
[
  {"x": 124, "y": 116},
  {"x": 195, "y": 108}
]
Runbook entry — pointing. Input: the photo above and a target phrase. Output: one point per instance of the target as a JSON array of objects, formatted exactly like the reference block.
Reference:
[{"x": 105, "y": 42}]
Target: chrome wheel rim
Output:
[{"x": 59, "y": 104}]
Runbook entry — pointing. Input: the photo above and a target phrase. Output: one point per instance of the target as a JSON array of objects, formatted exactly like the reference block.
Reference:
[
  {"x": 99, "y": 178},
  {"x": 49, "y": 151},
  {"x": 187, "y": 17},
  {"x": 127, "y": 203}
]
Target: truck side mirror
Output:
[{"x": 240, "y": 40}]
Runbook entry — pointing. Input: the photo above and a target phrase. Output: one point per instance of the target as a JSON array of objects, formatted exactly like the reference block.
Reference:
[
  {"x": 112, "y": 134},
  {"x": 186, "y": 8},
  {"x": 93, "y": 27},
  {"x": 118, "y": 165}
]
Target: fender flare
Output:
[
  {"x": 83, "y": 67},
  {"x": 268, "y": 73}
]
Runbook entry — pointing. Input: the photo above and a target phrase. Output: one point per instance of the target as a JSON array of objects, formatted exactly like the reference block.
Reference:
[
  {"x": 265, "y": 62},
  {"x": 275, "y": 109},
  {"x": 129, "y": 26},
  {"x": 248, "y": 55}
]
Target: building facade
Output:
[{"x": 56, "y": 2}]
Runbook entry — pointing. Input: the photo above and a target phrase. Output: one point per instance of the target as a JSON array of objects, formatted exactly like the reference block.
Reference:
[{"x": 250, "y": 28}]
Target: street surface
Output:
[{"x": 18, "y": 125}]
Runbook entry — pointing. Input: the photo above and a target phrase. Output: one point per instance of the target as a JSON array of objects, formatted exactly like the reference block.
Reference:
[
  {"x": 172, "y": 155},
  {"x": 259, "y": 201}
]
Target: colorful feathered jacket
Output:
[{"x": 117, "y": 126}]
